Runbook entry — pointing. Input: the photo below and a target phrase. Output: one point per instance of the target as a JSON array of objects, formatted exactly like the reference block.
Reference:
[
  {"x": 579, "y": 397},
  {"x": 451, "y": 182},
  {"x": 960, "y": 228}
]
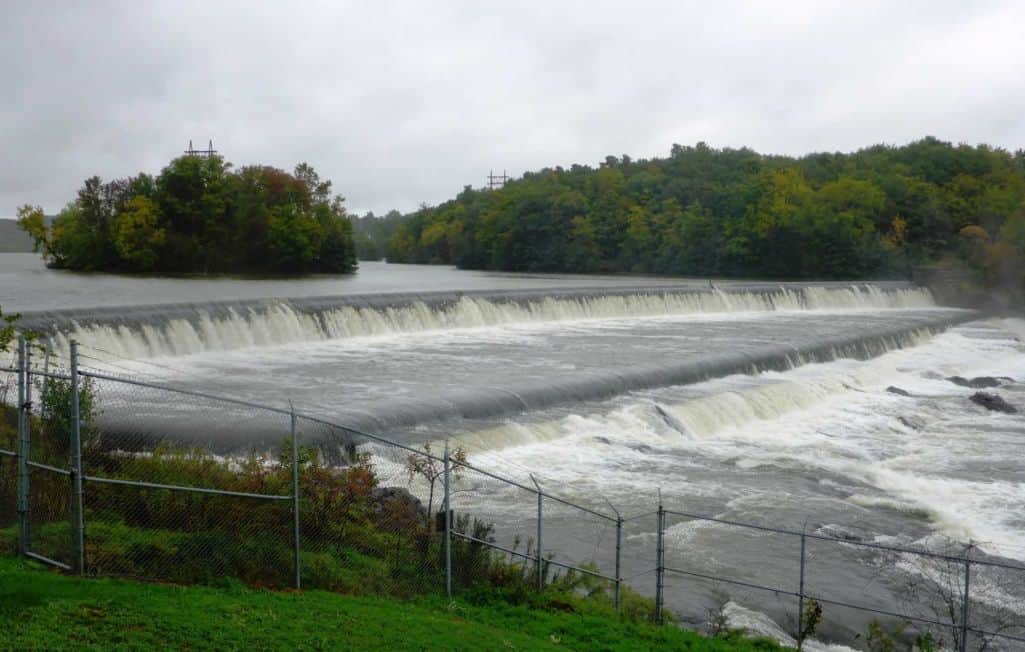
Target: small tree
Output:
[
  {"x": 430, "y": 468},
  {"x": 810, "y": 620},
  {"x": 7, "y": 331},
  {"x": 55, "y": 400}
]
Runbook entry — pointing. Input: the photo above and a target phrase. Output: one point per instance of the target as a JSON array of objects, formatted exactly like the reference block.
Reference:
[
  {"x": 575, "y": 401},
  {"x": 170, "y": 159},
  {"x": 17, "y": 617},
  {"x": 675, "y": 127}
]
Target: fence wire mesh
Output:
[
  {"x": 170, "y": 495},
  {"x": 8, "y": 494},
  {"x": 49, "y": 529},
  {"x": 707, "y": 574},
  {"x": 8, "y": 449}
]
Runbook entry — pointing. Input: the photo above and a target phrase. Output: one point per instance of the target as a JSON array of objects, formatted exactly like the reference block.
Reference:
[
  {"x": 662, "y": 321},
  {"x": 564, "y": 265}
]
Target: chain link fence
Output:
[
  {"x": 103, "y": 474},
  {"x": 812, "y": 582}
]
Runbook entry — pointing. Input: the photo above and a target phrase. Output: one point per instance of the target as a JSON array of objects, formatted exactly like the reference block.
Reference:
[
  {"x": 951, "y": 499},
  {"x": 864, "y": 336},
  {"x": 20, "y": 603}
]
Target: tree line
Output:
[
  {"x": 199, "y": 215},
  {"x": 373, "y": 234},
  {"x": 735, "y": 212}
]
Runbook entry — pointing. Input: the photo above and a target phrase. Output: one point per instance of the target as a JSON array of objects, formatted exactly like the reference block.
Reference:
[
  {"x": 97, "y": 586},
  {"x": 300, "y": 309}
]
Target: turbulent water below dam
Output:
[{"x": 758, "y": 402}]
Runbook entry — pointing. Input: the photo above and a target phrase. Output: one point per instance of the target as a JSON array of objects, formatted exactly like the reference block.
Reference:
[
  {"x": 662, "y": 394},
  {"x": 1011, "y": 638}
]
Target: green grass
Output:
[{"x": 41, "y": 609}]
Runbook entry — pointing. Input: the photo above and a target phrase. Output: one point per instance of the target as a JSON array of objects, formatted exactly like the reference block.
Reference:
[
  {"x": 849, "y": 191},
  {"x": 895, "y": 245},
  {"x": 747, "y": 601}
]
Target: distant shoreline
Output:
[{"x": 12, "y": 239}]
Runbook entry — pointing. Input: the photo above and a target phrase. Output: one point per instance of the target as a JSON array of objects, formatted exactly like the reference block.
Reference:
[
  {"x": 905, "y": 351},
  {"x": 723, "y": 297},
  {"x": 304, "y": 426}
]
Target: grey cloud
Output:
[{"x": 400, "y": 103}]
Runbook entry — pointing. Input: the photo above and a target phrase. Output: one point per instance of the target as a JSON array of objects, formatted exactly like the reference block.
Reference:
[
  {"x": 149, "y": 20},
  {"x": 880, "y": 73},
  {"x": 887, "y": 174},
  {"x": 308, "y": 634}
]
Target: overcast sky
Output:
[{"x": 402, "y": 103}]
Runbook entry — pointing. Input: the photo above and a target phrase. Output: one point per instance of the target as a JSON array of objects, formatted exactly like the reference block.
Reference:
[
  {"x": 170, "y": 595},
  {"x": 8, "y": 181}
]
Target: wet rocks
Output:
[
  {"x": 912, "y": 422},
  {"x": 982, "y": 382},
  {"x": 898, "y": 391},
  {"x": 993, "y": 402},
  {"x": 840, "y": 532},
  {"x": 603, "y": 440},
  {"x": 671, "y": 421}
]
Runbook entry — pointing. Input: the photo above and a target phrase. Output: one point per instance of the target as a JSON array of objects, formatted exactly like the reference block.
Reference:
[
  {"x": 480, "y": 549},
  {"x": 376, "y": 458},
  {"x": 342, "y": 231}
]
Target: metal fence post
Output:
[
  {"x": 540, "y": 554},
  {"x": 77, "y": 519},
  {"x": 295, "y": 502},
  {"x": 619, "y": 548},
  {"x": 800, "y": 596},
  {"x": 965, "y": 598},
  {"x": 24, "y": 425},
  {"x": 660, "y": 560},
  {"x": 448, "y": 523},
  {"x": 619, "y": 576}
]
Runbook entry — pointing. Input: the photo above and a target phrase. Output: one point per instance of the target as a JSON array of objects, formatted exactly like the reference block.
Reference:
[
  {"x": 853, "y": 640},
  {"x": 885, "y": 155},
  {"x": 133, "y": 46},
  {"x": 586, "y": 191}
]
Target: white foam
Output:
[
  {"x": 277, "y": 324},
  {"x": 836, "y": 419}
]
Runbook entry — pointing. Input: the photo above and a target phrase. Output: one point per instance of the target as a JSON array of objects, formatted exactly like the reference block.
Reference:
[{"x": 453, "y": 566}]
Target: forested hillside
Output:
[
  {"x": 200, "y": 216},
  {"x": 735, "y": 212}
]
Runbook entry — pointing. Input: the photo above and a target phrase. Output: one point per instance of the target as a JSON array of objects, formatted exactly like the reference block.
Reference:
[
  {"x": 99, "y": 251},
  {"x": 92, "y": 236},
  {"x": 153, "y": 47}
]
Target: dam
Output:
[
  {"x": 760, "y": 402},
  {"x": 392, "y": 362}
]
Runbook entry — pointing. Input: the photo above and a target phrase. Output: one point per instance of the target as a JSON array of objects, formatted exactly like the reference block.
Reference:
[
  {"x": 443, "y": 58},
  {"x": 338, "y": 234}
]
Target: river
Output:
[{"x": 751, "y": 401}]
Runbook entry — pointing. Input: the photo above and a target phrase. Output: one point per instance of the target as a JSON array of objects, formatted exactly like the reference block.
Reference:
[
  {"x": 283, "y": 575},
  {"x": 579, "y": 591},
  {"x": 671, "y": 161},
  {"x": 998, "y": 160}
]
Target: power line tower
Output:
[
  {"x": 497, "y": 180},
  {"x": 205, "y": 153}
]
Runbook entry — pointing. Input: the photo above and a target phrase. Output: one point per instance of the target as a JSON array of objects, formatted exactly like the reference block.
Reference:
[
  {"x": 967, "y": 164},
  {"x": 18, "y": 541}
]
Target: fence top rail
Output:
[
  {"x": 4, "y": 451},
  {"x": 491, "y": 544},
  {"x": 534, "y": 490},
  {"x": 578, "y": 569},
  {"x": 984, "y": 632},
  {"x": 611, "y": 519},
  {"x": 716, "y": 578},
  {"x": 641, "y": 515},
  {"x": 176, "y": 487},
  {"x": 593, "y": 512},
  {"x": 52, "y": 375},
  {"x": 366, "y": 435},
  {"x": 495, "y": 476},
  {"x": 863, "y": 544},
  {"x": 178, "y": 390},
  {"x": 47, "y": 467},
  {"x": 523, "y": 555}
]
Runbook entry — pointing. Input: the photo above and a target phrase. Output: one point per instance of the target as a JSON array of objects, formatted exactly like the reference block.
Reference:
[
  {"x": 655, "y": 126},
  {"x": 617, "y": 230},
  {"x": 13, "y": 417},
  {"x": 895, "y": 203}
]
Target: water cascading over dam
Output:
[
  {"x": 186, "y": 329},
  {"x": 390, "y": 362}
]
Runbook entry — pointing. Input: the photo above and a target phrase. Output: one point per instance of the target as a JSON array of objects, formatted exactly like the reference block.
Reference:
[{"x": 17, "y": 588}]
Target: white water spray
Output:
[{"x": 280, "y": 323}]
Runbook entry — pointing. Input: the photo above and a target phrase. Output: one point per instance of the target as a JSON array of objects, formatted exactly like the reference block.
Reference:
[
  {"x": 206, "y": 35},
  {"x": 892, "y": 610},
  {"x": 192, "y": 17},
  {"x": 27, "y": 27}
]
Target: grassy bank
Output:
[{"x": 40, "y": 609}]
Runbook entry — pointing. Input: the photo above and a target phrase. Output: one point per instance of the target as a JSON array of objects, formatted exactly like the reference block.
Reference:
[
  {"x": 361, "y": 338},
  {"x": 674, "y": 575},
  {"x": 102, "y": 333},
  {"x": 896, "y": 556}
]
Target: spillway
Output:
[
  {"x": 395, "y": 363},
  {"x": 188, "y": 329}
]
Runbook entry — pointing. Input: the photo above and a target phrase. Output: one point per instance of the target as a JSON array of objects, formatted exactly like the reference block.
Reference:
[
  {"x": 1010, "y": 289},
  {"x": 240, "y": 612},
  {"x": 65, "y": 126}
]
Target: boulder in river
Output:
[
  {"x": 993, "y": 402},
  {"x": 982, "y": 382},
  {"x": 898, "y": 391},
  {"x": 912, "y": 422}
]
